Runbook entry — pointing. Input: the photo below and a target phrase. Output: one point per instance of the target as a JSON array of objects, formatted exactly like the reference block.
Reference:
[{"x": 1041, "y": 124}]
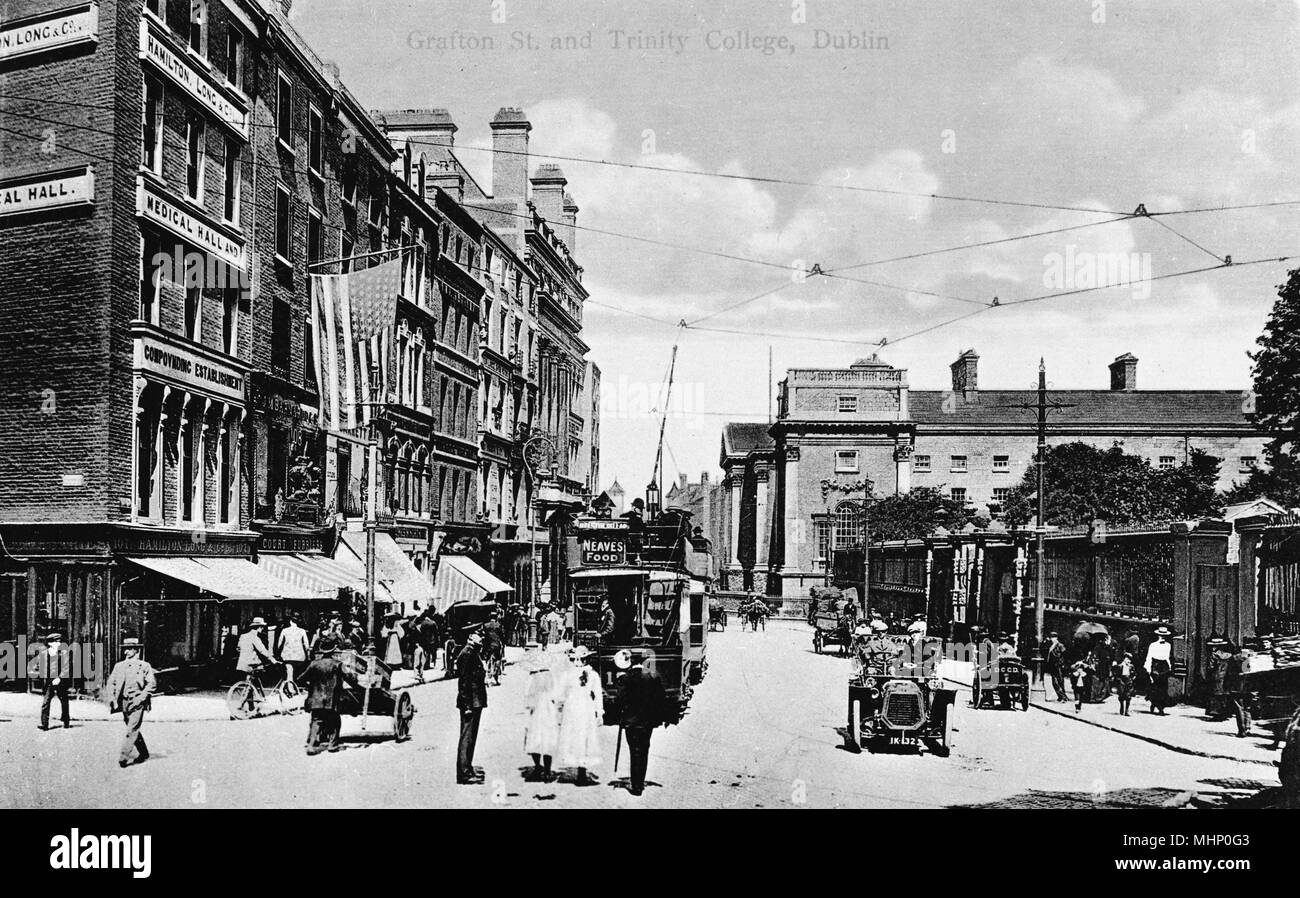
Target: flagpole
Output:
[{"x": 378, "y": 252}]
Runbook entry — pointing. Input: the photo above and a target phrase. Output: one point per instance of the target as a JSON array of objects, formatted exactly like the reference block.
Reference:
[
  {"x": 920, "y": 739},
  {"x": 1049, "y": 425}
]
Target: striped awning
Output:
[
  {"x": 237, "y": 579},
  {"x": 320, "y": 576},
  {"x": 394, "y": 569},
  {"x": 461, "y": 580}
]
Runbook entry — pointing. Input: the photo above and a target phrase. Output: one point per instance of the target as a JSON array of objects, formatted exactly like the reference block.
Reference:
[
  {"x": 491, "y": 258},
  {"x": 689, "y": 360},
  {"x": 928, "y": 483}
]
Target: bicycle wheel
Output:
[
  {"x": 289, "y": 693},
  {"x": 241, "y": 700}
]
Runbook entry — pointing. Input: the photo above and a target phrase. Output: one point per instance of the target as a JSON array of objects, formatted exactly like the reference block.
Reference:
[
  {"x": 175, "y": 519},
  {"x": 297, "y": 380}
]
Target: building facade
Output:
[{"x": 864, "y": 423}]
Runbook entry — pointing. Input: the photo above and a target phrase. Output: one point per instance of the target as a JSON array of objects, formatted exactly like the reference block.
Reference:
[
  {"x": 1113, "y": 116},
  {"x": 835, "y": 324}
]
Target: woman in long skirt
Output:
[
  {"x": 542, "y": 731},
  {"x": 584, "y": 711}
]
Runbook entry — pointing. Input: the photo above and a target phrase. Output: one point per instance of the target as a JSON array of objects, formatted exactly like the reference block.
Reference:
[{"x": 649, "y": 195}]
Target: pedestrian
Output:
[
  {"x": 1081, "y": 677},
  {"x": 357, "y": 635},
  {"x": 1056, "y": 665},
  {"x": 542, "y": 725},
  {"x": 292, "y": 647},
  {"x": 757, "y": 613},
  {"x": 130, "y": 689},
  {"x": 1158, "y": 668},
  {"x": 1006, "y": 646},
  {"x": 330, "y": 626},
  {"x": 554, "y": 623},
  {"x": 641, "y": 701},
  {"x": 1122, "y": 674},
  {"x": 917, "y": 628},
  {"x": 391, "y": 639},
  {"x": 1217, "y": 705},
  {"x": 1288, "y": 766},
  {"x": 53, "y": 667},
  {"x": 494, "y": 645},
  {"x": 254, "y": 656},
  {"x": 471, "y": 699},
  {"x": 582, "y": 717},
  {"x": 1235, "y": 688},
  {"x": 1104, "y": 652},
  {"x": 323, "y": 680}
]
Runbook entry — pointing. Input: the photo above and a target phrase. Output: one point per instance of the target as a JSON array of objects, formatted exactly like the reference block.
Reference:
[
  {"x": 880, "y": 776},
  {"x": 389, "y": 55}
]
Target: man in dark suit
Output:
[
  {"x": 323, "y": 680},
  {"x": 1056, "y": 665},
  {"x": 471, "y": 699},
  {"x": 641, "y": 702},
  {"x": 53, "y": 666}
]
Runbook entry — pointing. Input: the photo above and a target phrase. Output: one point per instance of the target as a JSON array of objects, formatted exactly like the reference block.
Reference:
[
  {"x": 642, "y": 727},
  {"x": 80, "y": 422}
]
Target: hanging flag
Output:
[{"x": 372, "y": 293}]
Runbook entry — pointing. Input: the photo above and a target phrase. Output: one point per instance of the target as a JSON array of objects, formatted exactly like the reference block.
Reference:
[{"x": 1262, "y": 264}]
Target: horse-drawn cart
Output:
[
  {"x": 368, "y": 692},
  {"x": 717, "y": 615},
  {"x": 830, "y": 627},
  {"x": 462, "y": 619}
]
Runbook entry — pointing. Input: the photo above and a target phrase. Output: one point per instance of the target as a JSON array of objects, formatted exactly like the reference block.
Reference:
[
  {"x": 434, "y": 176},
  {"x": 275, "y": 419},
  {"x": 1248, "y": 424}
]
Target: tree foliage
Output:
[
  {"x": 911, "y": 515},
  {"x": 1087, "y": 484}
]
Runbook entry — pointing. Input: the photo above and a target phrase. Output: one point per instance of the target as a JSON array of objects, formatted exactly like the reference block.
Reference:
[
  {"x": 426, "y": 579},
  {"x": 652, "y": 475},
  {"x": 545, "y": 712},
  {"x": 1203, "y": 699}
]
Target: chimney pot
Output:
[{"x": 965, "y": 374}]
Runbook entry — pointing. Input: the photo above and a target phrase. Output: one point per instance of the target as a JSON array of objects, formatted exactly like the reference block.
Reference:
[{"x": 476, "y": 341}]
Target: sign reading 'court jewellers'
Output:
[
  {"x": 155, "y": 207},
  {"x": 49, "y": 31},
  {"x": 194, "y": 82},
  {"x": 180, "y": 364},
  {"x": 33, "y": 193}
]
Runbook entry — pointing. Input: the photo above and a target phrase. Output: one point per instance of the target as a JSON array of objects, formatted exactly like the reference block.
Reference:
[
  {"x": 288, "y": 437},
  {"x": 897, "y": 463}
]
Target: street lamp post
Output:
[{"x": 536, "y": 450}]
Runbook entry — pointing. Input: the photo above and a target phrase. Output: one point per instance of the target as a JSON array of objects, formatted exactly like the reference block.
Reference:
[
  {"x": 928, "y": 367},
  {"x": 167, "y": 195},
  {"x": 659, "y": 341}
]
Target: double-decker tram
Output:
[{"x": 641, "y": 585}]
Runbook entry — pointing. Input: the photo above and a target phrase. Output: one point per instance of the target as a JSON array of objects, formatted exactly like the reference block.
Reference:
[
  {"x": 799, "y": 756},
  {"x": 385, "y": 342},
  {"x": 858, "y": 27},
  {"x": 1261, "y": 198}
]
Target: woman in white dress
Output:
[
  {"x": 584, "y": 711},
  {"x": 542, "y": 730}
]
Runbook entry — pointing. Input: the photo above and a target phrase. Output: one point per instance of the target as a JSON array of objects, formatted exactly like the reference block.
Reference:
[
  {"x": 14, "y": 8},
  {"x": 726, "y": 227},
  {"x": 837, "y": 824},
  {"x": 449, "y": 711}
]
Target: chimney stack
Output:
[
  {"x": 1124, "y": 372},
  {"x": 568, "y": 231},
  {"x": 704, "y": 477},
  {"x": 433, "y": 133},
  {"x": 510, "y": 129},
  {"x": 965, "y": 374},
  {"x": 548, "y": 194},
  {"x": 681, "y": 478}
]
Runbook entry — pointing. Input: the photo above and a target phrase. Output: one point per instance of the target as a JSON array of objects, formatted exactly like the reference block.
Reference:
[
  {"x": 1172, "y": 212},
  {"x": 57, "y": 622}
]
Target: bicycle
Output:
[{"x": 245, "y": 698}]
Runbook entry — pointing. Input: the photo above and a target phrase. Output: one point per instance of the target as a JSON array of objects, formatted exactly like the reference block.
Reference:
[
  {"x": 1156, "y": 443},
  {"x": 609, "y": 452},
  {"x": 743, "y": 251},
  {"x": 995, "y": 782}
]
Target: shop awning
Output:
[
  {"x": 394, "y": 569},
  {"x": 322, "y": 577},
  {"x": 237, "y": 579},
  {"x": 461, "y": 580}
]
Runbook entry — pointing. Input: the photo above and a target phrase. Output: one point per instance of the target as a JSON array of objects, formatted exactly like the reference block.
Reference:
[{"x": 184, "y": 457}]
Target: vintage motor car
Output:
[
  {"x": 897, "y": 699},
  {"x": 1005, "y": 678}
]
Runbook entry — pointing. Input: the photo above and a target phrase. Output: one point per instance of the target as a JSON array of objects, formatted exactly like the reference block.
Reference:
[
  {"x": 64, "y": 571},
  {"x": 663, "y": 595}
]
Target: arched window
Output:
[
  {"x": 848, "y": 524},
  {"x": 404, "y": 479},
  {"x": 390, "y": 475},
  {"x": 421, "y": 485}
]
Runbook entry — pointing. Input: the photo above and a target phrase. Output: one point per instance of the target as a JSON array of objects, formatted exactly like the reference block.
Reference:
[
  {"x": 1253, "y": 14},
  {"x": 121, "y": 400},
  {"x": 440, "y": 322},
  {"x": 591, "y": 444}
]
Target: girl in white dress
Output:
[
  {"x": 584, "y": 710},
  {"x": 542, "y": 731}
]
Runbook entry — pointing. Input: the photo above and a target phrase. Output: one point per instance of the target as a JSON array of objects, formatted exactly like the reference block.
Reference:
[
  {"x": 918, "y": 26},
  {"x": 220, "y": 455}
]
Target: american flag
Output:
[{"x": 353, "y": 316}]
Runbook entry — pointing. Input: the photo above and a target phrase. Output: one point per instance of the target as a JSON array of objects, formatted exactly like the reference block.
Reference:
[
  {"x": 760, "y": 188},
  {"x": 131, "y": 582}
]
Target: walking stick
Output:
[{"x": 618, "y": 746}]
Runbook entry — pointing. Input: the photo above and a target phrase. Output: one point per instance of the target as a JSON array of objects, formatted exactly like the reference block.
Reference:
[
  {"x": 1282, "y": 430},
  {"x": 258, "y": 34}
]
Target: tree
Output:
[
  {"x": 911, "y": 515},
  {"x": 1274, "y": 406},
  {"x": 1087, "y": 484}
]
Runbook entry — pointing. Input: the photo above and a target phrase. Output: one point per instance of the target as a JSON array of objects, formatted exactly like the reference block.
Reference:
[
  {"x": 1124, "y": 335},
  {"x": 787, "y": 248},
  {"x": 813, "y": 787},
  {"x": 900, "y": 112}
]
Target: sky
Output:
[{"x": 1031, "y": 116}]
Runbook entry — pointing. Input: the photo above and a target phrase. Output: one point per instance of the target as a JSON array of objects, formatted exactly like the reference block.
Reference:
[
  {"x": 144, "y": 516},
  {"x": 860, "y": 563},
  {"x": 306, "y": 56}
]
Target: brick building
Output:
[{"x": 864, "y": 422}]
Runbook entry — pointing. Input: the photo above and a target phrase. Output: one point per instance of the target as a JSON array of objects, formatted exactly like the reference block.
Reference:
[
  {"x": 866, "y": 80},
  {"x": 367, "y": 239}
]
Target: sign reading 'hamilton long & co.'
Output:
[
  {"x": 190, "y": 79},
  {"x": 50, "y": 190},
  {"x": 49, "y": 31},
  {"x": 155, "y": 207}
]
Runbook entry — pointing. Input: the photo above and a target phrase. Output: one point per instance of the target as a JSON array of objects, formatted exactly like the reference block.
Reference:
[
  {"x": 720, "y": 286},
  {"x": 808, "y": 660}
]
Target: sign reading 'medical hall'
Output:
[
  {"x": 48, "y": 190},
  {"x": 153, "y": 206},
  {"x": 49, "y": 31}
]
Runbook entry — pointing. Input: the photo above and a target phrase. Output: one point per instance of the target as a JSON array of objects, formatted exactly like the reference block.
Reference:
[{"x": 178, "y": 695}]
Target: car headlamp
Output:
[{"x": 869, "y": 682}]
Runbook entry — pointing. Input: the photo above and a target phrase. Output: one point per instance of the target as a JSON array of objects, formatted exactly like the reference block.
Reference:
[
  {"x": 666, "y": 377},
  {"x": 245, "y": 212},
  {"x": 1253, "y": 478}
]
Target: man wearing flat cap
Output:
[
  {"x": 130, "y": 689},
  {"x": 471, "y": 699}
]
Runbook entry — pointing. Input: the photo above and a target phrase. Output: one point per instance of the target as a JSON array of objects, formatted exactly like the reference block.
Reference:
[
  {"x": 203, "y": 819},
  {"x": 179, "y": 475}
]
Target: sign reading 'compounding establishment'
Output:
[
  {"x": 48, "y": 190},
  {"x": 49, "y": 31}
]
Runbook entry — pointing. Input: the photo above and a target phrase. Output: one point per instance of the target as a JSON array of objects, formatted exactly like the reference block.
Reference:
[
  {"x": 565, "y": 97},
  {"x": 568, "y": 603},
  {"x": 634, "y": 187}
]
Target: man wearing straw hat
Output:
[{"x": 130, "y": 689}]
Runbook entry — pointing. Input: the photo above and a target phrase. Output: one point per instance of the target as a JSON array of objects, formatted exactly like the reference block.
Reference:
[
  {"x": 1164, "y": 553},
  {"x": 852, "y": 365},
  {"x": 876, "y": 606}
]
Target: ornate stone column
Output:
[
  {"x": 762, "y": 519},
  {"x": 903, "y": 449},
  {"x": 734, "y": 483}
]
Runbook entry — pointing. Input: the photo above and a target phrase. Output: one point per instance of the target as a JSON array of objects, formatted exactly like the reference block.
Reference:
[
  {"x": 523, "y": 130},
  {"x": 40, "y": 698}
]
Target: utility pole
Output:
[{"x": 372, "y": 517}]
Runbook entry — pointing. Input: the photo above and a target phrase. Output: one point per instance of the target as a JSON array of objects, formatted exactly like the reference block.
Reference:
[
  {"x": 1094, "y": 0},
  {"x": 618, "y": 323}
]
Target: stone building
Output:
[{"x": 864, "y": 422}]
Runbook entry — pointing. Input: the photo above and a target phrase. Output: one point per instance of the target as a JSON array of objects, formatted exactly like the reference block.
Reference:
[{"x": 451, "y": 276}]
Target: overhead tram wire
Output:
[
  {"x": 726, "y": 175},
  {"x": 1187, "y": 239}
]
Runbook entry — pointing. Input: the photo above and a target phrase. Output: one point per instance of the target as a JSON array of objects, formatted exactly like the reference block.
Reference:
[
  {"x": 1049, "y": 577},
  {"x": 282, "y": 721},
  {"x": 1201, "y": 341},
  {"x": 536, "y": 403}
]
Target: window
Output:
[
  {"x": 822, "y": 527},
  {"x": 1249, "y": 463},
  {"x": 232, "y": 181},
  {"x": 958, "y": 463},
  {"x": 281, "y": 328},
  {"x": 1166, "y": 463},
  {"x": 846, "y": 460},
  {"x": 189, "y": 467},
  {"x": 235, "y": 57},
  {"x": 920, "y": 463},
  {"x": 314, "y": 159},
  {"x": 959, "y": 494},
  {"x": 314, "y": 232},
  {"x": 194, "y": 312},
  {"x": 194, "y": 153},
  {"x": 1001, "y": 464},
  {"x": 151, "y": 259},
  {"x": 848, "y": 403},
  {"x": 282, "y": 223},
  {"x": 158, "y": 8},
  {"x": 848, "y": 521},
  {"x": 1000, "y": 496},
  {"x": 284, "y": 111},
  {"x": 230, "y": 320},
  {"x": 308, "y": 354},
  {"x": 199, "y": 26},
  {"x": 148, "y": 499},
  {"x": 346, "y": 245},
  {"x": 152, "y": 130},
  {"x": 228, "y": 465},
  {"x": 348, "y": 184}
]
